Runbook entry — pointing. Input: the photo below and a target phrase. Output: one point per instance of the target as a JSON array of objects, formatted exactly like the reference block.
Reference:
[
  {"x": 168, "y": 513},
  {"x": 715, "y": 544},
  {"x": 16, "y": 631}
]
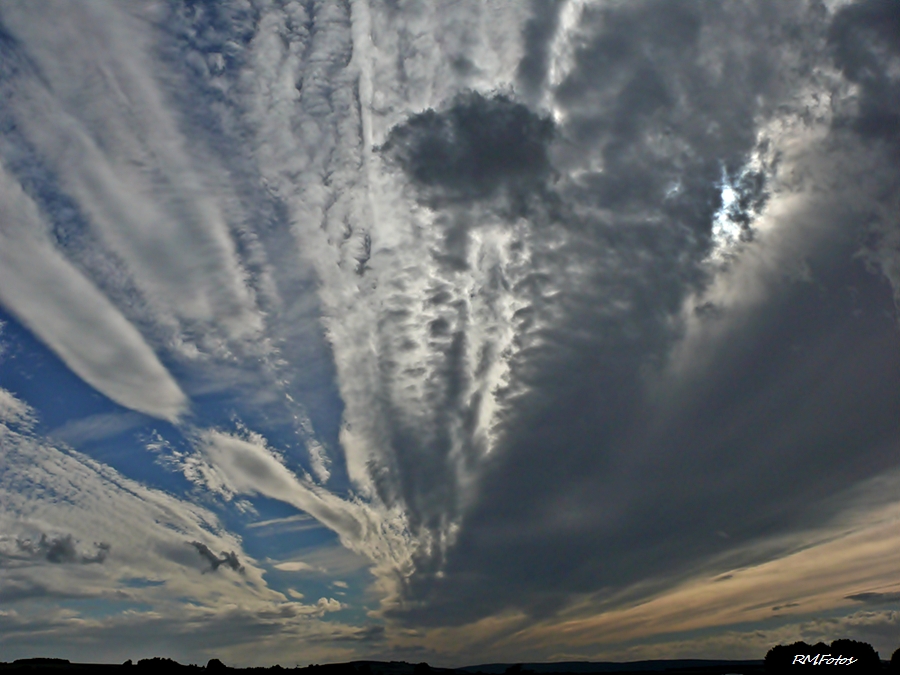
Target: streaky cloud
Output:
[{"x": 73, "y": 317}]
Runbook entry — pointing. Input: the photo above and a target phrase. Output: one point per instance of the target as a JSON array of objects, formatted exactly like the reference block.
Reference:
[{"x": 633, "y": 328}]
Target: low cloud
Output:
[{"x": 368, "y": 634}]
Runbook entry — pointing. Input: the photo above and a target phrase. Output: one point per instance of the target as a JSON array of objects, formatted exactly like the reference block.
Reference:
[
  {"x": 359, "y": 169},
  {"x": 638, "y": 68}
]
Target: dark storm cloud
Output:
[
  {"x": 876, "y": 598},
  {"x": 228, "y": 559},
  {"x": 596, "y": 483},
  {"x": 476, "y": 149},
  {"x": 61, "y": 549},
  {"x": 865, "y": 38}
]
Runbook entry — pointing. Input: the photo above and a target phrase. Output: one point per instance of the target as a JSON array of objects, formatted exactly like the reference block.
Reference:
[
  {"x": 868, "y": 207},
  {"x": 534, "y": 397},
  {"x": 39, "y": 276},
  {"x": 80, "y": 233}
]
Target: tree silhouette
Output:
[
  {"x": 863, "y": 652},
  {"x": 895, "y": 660},
  {"x": 781, "y": 657}
]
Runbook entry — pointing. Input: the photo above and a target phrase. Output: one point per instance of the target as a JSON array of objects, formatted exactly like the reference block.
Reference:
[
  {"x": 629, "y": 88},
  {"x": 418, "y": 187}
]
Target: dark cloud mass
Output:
[
  {"x": 876, "y": 598},
  {"x": 61, "y": 549},
  {"x": 228, "y": 559},
  {"x": 475, "y": 149},
  {"x": 864, "y": 38},
  {"x": 603, "y": 479}
]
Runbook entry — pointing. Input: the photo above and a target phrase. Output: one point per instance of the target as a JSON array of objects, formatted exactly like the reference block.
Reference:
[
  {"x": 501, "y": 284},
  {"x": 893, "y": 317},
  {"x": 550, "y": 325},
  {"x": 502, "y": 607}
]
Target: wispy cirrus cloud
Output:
[
  {"x": 73, "y": 317},
  {"x": 115, "y": 147},
  {"x": 93, "y": 536}
]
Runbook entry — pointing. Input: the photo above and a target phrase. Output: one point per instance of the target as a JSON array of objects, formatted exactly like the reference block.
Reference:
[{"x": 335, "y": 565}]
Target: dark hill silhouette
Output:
[
  {"x": 42, "y": 666},
  {"x": 780, "y": 658}
]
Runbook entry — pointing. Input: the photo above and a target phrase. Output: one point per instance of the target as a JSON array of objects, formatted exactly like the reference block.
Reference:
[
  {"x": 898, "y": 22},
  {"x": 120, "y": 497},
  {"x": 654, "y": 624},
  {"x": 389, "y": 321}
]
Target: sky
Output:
[{"x": 457, "y": 331}]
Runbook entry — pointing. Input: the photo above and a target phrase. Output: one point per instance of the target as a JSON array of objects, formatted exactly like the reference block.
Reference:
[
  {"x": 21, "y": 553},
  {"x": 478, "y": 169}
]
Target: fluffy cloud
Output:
[{"x": 246, "y": 465}]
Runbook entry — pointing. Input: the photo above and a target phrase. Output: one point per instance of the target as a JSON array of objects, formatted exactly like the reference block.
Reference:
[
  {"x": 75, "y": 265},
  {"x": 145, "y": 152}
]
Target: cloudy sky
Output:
[{"x": 448, "y": 330}]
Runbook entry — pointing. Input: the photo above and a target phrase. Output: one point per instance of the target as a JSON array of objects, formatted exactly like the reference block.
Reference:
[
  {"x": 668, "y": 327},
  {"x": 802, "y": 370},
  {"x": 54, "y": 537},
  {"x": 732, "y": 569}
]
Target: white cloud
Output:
[
  {"x": 289, "y": 523},
  {"x": 295, "y": 566},
  {"x": 15, "y": 411},
  {"x": 96, "y": 427},
  {"x": 248, "y": 465},
  {"x": 240, "y": 636},
  {"x": 329, "y": 605},
  {"x": 146, "y": 535},
  {"x": 315, "y": 115},
  {"x": 115, "y": 145},
  {"x": 72, "y": 317},
  {"x": 150, "y": 560}
]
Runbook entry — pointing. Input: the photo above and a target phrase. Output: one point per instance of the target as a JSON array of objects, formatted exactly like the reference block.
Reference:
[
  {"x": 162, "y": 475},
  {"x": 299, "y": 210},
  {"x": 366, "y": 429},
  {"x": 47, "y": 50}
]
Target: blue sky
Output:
[{"x": 447, "y": 331}]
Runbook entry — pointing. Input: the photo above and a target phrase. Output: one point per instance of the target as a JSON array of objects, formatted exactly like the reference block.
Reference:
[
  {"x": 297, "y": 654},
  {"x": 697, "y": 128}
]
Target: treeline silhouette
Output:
[
  {"x": 859, "y": 656},
  {"x": 847, "y": 653}
]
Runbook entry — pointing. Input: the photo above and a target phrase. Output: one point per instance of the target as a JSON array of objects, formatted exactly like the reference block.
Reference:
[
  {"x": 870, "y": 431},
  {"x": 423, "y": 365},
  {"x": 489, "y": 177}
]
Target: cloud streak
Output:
[{"x": 70, "y": 314}]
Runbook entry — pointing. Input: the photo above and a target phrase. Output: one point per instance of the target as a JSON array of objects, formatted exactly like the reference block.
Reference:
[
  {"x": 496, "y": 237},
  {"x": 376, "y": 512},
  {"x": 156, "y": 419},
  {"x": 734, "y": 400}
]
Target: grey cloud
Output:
[
  {"x": 368, "y": 634},
  {"x": 876, "y": 598},
  {"x": 189, "y": 635},
  {"x": 777, "y": 608},
  {"x": 602, "y": 487},
  {"x": 228, "y": 559},
  {"x": 476, "y": 148},
  {"x": 665, "y": 103},
  {"x": 596, "y": 482},
  {"x": 18, "y": 589},
  {"x": 864, "y": 45},
  {"x": 863, "y": 36},
  {"x": 531, "y": 75},
  {"x": 476, "y": 158},
  {"x": 61, "y": 549}
]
